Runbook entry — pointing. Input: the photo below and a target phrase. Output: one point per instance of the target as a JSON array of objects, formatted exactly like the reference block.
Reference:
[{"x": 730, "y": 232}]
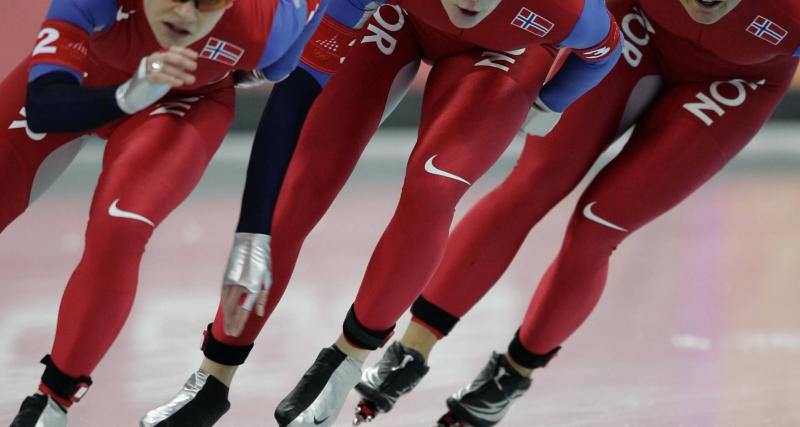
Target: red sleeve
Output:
[
  {"x": 329, "y": 45},
  {"x": 62, "y": 43}
]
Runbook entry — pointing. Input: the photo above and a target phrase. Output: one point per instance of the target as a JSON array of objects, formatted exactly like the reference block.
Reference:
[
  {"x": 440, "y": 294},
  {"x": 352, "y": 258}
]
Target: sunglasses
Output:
[{"x": 207, "y": 5}]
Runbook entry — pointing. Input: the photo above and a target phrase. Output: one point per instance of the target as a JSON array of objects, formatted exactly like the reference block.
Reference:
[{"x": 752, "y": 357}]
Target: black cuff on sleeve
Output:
[
  {"x": 433, "y": 316},
  {"x": 361, "y": 336},
  {"x": 225, "y": 354},
  {"x": 61, "y": 384},
  {"x": 529, "y": 360}
]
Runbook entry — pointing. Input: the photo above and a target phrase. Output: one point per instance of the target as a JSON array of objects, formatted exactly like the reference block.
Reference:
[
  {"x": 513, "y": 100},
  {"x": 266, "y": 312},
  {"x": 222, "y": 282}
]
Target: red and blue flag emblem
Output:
[
  {"x": 222, "y": 51},
  {"x": 766, "y": 29},
  {"x": 532, "y": 22}
]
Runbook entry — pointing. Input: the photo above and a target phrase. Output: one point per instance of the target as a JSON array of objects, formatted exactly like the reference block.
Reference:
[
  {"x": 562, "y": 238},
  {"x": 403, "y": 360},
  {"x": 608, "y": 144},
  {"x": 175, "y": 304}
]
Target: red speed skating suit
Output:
[
  {"x": 697, "y": 94},
  {"x": 152, "y": 161},
  {"x": 481, "y": 87}
]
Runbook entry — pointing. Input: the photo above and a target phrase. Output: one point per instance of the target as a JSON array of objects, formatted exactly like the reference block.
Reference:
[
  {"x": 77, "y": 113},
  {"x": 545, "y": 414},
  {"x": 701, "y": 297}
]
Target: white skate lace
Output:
[
  {"x": 500, "y": 374},
  {"x": 406, "y": 360}
]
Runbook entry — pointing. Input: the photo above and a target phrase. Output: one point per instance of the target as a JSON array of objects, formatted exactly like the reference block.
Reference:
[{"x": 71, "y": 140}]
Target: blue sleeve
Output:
[
  {"x": 39, "y": 70},
  {"x": 577, "y": 76},
  {"x": 591, "y": 28},
  {"x": 289, "y": 35},
  {"x": 350, "y": 13},
  {"x": 287, "y": 24},
  {"x": 89, "y": 15},
  {"x": 797, "y": 52}
]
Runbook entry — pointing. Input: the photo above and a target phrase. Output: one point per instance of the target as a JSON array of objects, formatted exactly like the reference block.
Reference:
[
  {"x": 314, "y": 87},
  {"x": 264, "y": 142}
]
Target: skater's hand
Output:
[
  {"x": 235, "y": 300},
  {"x": 157, "y": 74},
  {"x": 173, "y": 66},
  {"x": 247, "y": 281}
]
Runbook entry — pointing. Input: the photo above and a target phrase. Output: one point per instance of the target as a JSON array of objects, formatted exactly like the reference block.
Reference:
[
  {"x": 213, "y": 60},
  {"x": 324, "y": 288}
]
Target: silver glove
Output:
[
  {"x": 138, "y": 93},
  {"x": 249, "y": 265}
]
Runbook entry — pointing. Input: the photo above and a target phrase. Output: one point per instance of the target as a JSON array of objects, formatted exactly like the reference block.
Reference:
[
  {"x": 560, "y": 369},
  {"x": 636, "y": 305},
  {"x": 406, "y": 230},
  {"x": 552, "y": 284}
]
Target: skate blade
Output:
[
  {"x": 449, "y": 420},
  {"x": 364, "y": 413},
  {"x": 359, "y": 419}
]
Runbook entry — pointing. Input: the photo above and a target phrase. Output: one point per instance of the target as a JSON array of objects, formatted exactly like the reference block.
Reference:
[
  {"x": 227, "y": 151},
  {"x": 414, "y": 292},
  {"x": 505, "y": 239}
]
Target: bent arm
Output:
[
  {"x": 596, "y": 44},
  {"x": 56, "y": 101}
]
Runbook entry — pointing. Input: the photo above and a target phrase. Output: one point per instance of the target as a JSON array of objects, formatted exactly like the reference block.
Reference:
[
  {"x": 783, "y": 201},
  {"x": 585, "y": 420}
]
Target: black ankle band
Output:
[
  {"x": 361, "y": 336},
  {"x": 529, "y": 360},
  {"x": 433, "y": 316},
  {"x": 61, "y": 384},
  {"x": 225, "y": 354}
]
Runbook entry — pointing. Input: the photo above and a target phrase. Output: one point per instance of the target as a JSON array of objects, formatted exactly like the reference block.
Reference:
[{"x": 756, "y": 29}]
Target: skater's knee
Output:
[
  {"x": 531, "y": 192},
  {"x": 425, "y": 191},
  {"x": 121, "y": 236},
  {"x": 303, "y": 200},
  {"x": 548, "y": 175},
  {"x": 590, "y": 235},
  {"x": 302, "y": 188}
]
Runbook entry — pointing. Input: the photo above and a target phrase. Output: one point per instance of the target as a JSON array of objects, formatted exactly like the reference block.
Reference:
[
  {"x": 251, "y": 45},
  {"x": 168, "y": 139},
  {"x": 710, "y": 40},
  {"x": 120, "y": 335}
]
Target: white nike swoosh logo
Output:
[
  {"x": 430, "y": 168},
  {"x": 587, "y": 212},
  {"x": 114, "y": 211}
]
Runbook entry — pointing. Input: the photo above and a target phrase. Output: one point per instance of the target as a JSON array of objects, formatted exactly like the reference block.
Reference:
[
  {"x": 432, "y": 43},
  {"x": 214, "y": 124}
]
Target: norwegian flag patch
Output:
[
  {"x": 532, "y": 22},
  {"x": 222, "y": 51},
  {"x": 768, "y": 30}
]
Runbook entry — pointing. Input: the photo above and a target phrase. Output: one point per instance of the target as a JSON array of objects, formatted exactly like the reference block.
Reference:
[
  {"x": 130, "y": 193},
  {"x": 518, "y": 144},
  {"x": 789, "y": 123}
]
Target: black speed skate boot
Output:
[
  {"x": 397, "y": 373},
  {"x": 202, "y": 401},
  {"x": 48, "y": 410},
  {"x": 40, "y": 410},
  {"x": 487, "y": 399},
  {"x": 319, "y": 396}
]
